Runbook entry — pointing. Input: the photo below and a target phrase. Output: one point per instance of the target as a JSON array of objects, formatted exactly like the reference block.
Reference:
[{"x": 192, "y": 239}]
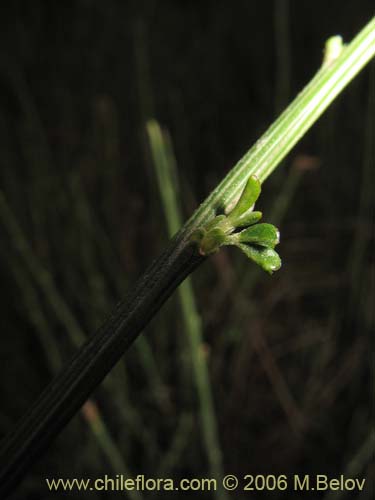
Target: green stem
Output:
[
  {"x": 292, "y": 124},
  {"x": 66, "y": 394}
]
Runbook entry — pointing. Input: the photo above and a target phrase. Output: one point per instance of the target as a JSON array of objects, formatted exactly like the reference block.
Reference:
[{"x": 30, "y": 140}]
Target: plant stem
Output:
[
  {"x": 66, "y": 394},
  {"x": 291, "y": 125}
]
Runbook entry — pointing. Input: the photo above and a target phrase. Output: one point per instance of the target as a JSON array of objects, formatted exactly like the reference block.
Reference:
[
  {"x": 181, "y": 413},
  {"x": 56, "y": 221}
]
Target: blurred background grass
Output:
[{"x": 239, "y": 372}]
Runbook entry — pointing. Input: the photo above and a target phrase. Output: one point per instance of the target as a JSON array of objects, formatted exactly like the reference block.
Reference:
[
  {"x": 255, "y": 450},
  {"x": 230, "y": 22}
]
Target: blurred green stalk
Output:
[{"x": 166, "y": 172}]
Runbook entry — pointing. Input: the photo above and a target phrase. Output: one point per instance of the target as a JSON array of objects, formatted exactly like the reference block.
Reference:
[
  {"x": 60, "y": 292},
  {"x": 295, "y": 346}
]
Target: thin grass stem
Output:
[{"x": 166, "y": 173}]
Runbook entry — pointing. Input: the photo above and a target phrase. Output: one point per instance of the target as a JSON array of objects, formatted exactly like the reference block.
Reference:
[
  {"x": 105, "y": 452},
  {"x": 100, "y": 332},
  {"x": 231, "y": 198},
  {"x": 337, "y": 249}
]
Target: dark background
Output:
[{"x": 289, "y": 357}]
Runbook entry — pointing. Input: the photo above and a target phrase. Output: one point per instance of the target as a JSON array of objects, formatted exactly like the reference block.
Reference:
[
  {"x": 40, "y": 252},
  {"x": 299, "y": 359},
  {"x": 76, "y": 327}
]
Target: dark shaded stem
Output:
[{"x": 70, "y": 389}]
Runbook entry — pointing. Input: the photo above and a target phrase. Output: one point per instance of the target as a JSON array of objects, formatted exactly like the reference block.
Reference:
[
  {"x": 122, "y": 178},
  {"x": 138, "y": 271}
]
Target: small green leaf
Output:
[
  {"x": 247, "y": 219},
  {"x": 265, "y": 235},
  {"x": 212, "y": 240},
  {"x": 266, "y": 258},
  {"x": 249, "y": 196},
  {"x": 215, "y": 222}
]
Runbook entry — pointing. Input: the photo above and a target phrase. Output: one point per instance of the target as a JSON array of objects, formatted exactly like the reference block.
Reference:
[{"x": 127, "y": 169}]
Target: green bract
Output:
[
  {"x": 212, "y": 240},
  {"x": 248, "y": 218},
  {"x": 257, "y": 241},
  {"x": 249, "y": 196}
]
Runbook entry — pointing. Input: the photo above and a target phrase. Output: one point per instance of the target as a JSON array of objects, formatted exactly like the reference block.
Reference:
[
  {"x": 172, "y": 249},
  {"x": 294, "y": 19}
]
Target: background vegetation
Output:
[{"x": 288, "y": 358}]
